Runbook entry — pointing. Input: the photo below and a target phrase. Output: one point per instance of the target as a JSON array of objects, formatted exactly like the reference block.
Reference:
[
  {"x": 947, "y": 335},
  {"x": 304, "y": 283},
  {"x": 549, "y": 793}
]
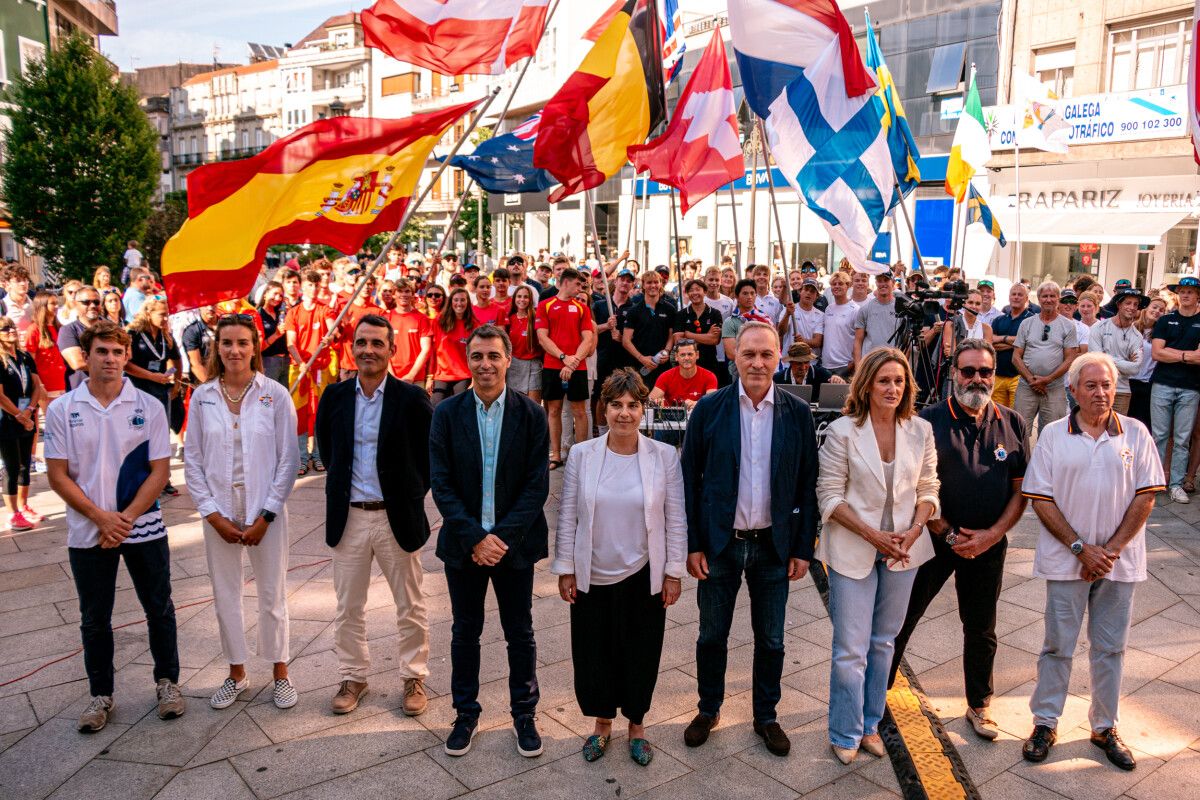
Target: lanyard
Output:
[
  {"x": 22, "y": 375},
  {"x": 158, "y": 354}
]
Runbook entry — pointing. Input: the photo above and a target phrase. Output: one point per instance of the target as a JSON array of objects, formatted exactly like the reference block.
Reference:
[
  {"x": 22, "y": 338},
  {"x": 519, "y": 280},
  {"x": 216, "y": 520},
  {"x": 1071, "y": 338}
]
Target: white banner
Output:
[{"x": 1103, "y": 118}]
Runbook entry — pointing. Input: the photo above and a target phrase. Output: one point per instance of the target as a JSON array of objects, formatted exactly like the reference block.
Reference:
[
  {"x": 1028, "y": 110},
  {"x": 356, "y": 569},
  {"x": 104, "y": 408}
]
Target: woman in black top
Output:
[
  {"x": 273, "y": 310},
  {"x": 20, "y": 393},
  {"x": 154, "y": 361},
  {"x": 702, "y": 323}
]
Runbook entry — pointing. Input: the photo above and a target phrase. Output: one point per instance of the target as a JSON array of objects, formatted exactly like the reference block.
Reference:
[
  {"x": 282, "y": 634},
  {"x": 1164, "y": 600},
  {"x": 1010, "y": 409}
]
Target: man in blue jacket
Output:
[
  {"x": 750, "y": 483},
  {"x": 489, "y": 471}
]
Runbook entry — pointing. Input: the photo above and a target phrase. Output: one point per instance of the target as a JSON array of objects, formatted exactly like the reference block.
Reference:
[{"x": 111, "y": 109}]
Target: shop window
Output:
[
  {"x": 1055, "y": 68},
  {"x": 946, "y": 71},
  {"x": 1148, "y": 56}
]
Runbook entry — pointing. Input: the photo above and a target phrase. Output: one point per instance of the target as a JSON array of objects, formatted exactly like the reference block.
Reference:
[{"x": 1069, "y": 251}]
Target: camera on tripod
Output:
[{"x": 925, "y": 300}]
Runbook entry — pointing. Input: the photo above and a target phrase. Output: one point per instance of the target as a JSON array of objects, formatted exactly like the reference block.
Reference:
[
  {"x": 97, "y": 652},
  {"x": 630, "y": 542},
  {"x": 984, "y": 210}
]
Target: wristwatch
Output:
[
  {"x": 269, "y": 516},
  {"x": 1077, "y": 547},
  {"x": 951, "y": 536}
]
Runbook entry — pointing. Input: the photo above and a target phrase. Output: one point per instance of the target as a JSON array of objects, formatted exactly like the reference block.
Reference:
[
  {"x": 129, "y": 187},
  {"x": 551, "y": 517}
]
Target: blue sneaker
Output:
[
  {"x": 529, "y": 743},
  {"x": 458, "y": 743}
]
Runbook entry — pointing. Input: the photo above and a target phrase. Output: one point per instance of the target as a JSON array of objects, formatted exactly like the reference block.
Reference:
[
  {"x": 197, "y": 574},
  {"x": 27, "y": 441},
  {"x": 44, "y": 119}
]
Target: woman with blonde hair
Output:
[
  {"x": 154, "y": 359},
  {"x": 1139, "y": 384},
  {"x": 877, "y": 488},
  {"x": 240, "y": 459},
  {"x": 102, "y": 279},
  {"x": 67, "y": 312}
]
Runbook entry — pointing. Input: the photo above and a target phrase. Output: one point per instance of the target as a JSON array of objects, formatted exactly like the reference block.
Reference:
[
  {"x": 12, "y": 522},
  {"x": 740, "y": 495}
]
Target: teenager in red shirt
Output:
[
  {"x": 567, "y": 334},
  {"x": 685, "y": 383},
  {"x": 308, "y": 325},
  {"x": 451, "y": 375},
  {"x": 486, "y": 310},
  {"x": 525, "y": 371},
  {"x": 413, "y": 332}
]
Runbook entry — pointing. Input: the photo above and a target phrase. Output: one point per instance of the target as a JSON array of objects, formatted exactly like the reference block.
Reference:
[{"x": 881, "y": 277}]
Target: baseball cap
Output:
[
  {"x": 450, "y": 254},
  {"x": 810, "y": 283},
  {"x": 625, "y": 273},
  {"x": 1068, "y": 296},
  {"x": 663, "y": 269},
  {"x": 1129, "y": 291},
  {"x": 987, "y": 283},
  {"x": 596, "y": 274},
  {"x": 1123, "y": 283},
  {"x": 470, "y": 267},
  {"x": 808, "y": 266}
]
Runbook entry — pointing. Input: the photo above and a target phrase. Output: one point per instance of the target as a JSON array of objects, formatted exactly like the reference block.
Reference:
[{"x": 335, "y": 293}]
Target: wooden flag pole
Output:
[
  {"x": 591, "y": 218},
  {"x": 379, "y": 259},
  {"x": 675, "y": 239},
  {"x": 774, "y": 204}
]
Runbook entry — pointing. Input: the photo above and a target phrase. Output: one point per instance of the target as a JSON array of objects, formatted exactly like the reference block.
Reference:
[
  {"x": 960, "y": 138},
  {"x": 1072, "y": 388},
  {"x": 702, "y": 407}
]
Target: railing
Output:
[{"x": 233, "y": 154}]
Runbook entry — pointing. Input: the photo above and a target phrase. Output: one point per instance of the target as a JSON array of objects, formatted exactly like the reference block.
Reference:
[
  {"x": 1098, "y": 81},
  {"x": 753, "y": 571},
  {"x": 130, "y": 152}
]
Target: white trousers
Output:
[
  {"x": 269, "y": 558},
  {"x": 368, "y": 538}
]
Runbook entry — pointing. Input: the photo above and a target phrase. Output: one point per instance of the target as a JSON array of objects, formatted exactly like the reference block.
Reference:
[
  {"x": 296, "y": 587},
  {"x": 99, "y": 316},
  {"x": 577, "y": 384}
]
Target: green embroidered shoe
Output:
[
  {"x": 640, "y": 751},
  {"x": 594, "y": 747}
]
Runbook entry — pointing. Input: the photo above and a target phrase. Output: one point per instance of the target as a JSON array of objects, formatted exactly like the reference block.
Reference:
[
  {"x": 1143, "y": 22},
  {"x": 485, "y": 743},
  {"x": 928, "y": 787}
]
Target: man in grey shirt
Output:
[
  {"x": 1042, "y": 353},
  {"x": 876, "y": 323},
  {"x": 1118, "y": 337}
]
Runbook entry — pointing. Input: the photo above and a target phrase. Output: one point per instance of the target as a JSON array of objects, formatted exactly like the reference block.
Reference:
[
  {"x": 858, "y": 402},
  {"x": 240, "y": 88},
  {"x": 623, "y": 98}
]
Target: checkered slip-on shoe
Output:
[
  {"x": 228, "y": 693},
  {"x": 284, "y": 694}
]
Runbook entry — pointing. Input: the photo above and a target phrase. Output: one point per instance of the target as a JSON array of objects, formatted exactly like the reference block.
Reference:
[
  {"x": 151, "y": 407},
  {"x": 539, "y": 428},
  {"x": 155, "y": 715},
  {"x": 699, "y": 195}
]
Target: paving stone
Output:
[
  {"x": 16, "y": 713},
  {"x": 43, "y": 760},
  {"x": 1185, "y": 675},
  {"x": 241, "y": 735},
  {"x": 1160, "y": 718},
  {"x": 727, "y": 778},
  {"x": 114, "y": 780},
  {"x": 31, "y": 576},
  {"x": 1012, "y": 787},
  {"x": 393, "y": 779},
  {"x": 494, "y": 756},
  {"x": 7, "y": 740},
  {"x": 851, "y": 787},
  {"x": 218, "y": 779},
  {"x": 943, "y": 684},
  {"x": 1166, "y": 638},
  {"x": 29, "y": 619},
  {"x": 172, "y": 742},
  {"x": 1079, "y": 770},
  {"x": 810, "y": 765},
  {"x": 43, "y": 594},
  {"x": 984, "y": 759},
  {"x": 1177, "y": 779}
]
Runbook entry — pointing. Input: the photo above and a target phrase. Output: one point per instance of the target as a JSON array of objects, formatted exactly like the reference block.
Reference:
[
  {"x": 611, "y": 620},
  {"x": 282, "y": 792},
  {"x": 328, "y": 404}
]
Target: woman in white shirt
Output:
[
  {"x": 620, "y": 553},
  {"x": 240, "y": 462},
  {"x": 878, "y": 486}
]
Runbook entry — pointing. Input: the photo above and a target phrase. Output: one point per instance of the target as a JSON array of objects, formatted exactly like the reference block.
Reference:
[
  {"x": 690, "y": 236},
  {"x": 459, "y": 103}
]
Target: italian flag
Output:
[{"x": 971, "y": 149}]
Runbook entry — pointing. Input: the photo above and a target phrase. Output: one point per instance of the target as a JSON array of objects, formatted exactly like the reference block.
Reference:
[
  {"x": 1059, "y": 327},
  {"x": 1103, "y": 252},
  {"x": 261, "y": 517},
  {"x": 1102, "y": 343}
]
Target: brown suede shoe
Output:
[
  {"x": 698, "y": 729},
  {"x": 348, "y": 696},
  {"x": 415, "y": 700},
  {"x": 775, "y": 739}
]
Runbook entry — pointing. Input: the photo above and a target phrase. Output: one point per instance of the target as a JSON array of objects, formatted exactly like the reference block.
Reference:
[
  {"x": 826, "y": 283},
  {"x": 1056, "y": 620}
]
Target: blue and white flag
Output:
[
  {"x": 504, "y": 164},
  {"x": 804, "y": 75},
  {"x": 673, "y": 43}
]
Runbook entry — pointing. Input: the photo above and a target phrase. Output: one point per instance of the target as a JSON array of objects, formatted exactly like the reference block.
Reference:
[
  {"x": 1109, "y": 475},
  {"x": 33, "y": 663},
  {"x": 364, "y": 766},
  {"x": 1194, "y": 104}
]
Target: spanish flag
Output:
[
  {"x": 612, "y": 101},
  {"x": 334, "y": 182}
]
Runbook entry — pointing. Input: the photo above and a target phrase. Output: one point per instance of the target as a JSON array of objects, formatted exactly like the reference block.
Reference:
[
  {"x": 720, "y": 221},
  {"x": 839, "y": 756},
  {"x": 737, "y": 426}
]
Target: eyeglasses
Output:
[
  {"x": 983, "y": 372},
  {"x": 88, "y": 302},
  {"x": 1045, "y": 333}
]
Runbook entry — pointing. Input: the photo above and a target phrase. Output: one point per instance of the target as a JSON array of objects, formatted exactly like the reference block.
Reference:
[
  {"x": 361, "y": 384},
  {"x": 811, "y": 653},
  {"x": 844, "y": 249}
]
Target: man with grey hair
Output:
[
  {"x": 1092, "y": 480},
  {"x": 982, "y": 450},
  {"x": 1042, "y": 353},
  {"x": 750, "y": 489}
]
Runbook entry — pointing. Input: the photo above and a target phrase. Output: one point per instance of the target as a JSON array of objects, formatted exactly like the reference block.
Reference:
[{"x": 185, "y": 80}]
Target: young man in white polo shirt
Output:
[
  {"x": 1092, "y": 480},
  {"x": 107, "y": 447}
]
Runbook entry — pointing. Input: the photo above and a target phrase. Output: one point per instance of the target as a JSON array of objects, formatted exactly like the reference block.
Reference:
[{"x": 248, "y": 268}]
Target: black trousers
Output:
[
  {"x": 978, "y": 582},
  {"x": 16, "y": 452},
  {"x": 1139, "y": 402},
  {"x": 616, "y": 644},
  {"x": 95, "y": 572}
]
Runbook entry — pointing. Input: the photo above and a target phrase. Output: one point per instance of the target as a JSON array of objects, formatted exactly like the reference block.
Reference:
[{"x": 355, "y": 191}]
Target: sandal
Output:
[
  {"x": 300, "y": 473},
  {"x": 640, "y": 751},
  {"x": 317, "y": 465},
  {"x": 594, "y": 747}
]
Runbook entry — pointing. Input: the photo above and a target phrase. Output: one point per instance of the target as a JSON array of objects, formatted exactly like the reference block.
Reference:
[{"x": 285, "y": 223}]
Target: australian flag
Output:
[{"x": 504, "y": 164}]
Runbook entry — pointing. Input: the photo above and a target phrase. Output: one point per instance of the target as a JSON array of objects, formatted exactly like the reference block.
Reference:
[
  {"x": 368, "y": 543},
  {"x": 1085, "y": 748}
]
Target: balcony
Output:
[
  {"x": 97, "y": 16},
  {"x": 452, "y": 96},
  {"x": 350, "y": 95}
]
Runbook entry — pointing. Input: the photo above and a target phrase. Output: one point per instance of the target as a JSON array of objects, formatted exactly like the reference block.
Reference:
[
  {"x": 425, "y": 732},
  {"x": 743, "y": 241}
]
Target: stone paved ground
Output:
[{"x": 253, "y": 750}]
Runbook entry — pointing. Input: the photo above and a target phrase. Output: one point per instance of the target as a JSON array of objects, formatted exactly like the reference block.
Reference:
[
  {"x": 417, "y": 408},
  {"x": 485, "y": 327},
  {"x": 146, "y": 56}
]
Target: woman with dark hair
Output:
[
  {"x": 877, "y": 488},
  {"x": 620, "y": 553},
  {"x": 154, "y": 361},
  {"x": 451, "y": 375},
  {"x": 111, "y": 307},
  {"x": 525, "y": 371},
  {"x": 272, "y": 311},
  {"x": 701, "y": 323},
  {"x": 21, "y": 393},
  {"x": 240, "y": 459}
]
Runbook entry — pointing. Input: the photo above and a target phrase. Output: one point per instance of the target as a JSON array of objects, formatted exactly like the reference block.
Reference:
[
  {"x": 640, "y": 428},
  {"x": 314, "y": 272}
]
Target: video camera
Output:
[{"x": 917, "y": 304}]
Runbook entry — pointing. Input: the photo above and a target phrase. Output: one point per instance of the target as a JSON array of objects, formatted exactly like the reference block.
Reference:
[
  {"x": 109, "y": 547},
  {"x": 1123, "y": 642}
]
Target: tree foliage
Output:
[
  {"x": 468, "y": 221},
  {"x": 82, "y": 161},
  {"x": 165, "y": 221}
]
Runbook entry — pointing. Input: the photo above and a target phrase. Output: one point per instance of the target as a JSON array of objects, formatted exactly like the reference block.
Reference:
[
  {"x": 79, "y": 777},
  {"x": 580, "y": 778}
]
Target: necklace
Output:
[{"x": 234, "y": 401}]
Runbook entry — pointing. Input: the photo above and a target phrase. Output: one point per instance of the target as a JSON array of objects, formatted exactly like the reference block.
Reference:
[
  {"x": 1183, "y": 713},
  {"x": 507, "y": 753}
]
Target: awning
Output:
[{"x": 1099, "y": 227}]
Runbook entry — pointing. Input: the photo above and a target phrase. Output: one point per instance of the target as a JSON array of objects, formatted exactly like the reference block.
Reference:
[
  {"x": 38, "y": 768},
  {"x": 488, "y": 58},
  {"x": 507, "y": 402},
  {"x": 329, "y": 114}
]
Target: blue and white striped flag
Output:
[{"x": 804, "y": 75}]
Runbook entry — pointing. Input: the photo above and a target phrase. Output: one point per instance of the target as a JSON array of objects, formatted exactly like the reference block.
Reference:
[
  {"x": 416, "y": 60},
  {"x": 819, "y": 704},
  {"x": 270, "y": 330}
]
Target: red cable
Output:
[{"x": 200, "y": 602}]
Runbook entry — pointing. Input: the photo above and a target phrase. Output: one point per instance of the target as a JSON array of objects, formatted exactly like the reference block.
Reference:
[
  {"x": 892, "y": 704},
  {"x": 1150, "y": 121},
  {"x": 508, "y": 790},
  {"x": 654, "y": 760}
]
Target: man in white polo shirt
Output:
[
  {"x": 1092, "y": 480},
  {"x": 107, "y": 447}
]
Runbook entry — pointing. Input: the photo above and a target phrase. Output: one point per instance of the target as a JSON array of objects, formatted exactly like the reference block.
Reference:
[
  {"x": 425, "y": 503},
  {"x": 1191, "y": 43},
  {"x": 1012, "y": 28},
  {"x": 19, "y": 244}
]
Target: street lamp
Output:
[{"x": 337, "y": 108}]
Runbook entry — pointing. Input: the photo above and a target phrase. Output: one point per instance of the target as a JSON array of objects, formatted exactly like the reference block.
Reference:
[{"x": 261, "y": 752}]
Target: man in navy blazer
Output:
[
  {"x": 490, "y": 474},
  {"x": 750, "y": 478}
]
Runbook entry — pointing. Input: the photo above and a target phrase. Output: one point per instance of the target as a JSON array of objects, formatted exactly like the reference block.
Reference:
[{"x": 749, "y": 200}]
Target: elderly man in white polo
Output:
[{"x": 1092, "y": 480}]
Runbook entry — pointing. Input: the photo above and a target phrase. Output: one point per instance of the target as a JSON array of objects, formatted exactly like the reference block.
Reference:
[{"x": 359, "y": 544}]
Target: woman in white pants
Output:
[{"x": 240, "y": 462}]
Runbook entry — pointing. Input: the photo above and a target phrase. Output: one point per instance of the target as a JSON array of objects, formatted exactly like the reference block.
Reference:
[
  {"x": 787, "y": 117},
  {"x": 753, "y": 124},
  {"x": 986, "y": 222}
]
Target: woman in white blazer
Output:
[
  {"x": 620, "y": 552},
  {"x": 240, "y": 462},
  {"x": 877, "y": 488}
]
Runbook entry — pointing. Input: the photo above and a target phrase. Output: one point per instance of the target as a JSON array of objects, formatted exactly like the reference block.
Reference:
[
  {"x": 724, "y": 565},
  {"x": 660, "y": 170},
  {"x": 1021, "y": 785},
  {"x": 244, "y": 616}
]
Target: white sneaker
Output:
[
  {"x": 1178, "y": 495},
  {"x": 284, "y": 694},
  {"x": 229, "y": 692}
]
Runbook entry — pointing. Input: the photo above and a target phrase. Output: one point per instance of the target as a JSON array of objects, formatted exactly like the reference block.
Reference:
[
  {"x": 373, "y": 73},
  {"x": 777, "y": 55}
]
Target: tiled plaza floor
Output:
[{"x": 253, "y": 750}]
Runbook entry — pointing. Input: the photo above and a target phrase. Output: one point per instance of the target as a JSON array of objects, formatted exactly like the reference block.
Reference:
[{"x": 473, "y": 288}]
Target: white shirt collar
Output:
[
  {"x": 378, "y": 390},
  {"x": 768, "y": 399},
  {"x": 123, "y": 396}
]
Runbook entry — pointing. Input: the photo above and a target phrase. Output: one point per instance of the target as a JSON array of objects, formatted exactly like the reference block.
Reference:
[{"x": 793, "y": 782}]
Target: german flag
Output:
[
  {"x": 612, "y": 101},
  {"x": 334, "y": 182}
]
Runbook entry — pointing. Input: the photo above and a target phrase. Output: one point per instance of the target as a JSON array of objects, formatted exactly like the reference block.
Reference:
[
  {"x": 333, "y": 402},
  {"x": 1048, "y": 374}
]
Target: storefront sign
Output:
[
  {"x": 1102, "y": 118},
  {"x": 1107, "y": 199}
]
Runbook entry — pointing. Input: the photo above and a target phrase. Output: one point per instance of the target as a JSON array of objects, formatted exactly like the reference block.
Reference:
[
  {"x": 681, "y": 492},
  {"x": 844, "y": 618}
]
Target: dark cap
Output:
[
  {"x": 627, "y": 273},
  {"x": 1123, "y": 283},
  {"x": 663, "y": 269},
  {"x": 1187, "y": 282},
  {"x": 470, "y": 267},
  {"x": 450, "y": 254},
  {"x": 1068, "y": 296},
  {"x": 809, "y": 283}
]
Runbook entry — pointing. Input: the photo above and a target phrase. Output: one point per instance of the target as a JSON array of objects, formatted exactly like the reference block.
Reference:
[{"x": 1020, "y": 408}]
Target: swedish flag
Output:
[
  {"x": 978, "y": 211},
  {"x": 899, "y": 137}
]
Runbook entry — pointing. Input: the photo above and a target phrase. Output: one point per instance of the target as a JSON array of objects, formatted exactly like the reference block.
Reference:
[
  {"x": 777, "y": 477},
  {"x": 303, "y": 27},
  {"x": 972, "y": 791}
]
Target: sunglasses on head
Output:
[
  {"x": 983, "y": 372},
  {"x": 246, "y": 318}
]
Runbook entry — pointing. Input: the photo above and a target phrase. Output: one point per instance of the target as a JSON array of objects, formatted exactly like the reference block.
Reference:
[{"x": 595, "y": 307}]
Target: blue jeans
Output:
[
  {"x": 1172, "y": 408},
  {"x": 867, "y": 614},
  {"x": 766, "y": 577}
]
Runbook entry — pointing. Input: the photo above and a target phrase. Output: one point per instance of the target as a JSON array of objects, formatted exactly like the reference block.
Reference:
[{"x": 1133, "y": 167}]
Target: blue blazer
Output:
[
  {"x": 712, "y": 450},
  {"x": 522, "y": 480}
]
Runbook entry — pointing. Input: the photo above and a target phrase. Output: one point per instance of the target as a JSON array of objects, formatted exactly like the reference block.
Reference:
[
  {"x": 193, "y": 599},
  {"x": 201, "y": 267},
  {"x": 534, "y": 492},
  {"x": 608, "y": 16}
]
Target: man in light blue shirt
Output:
[
  {"x": 364, "y": 476},
  {"x": 138, "y": 292},
  {"x": 490, "y": 418}
]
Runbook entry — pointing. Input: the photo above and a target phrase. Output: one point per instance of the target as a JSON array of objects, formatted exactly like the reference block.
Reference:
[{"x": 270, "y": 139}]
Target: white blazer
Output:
[
  {"x": 666, "y": 520},
  {"x": 852, "y": 473},
  {"x": 269, "y": 456}
]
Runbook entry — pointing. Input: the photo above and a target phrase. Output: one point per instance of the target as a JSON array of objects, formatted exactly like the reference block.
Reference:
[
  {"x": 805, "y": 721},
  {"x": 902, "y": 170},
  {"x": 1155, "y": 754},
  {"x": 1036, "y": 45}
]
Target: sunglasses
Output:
[
  {"x": 435, "y": 297},
  {"x": 246, "y": 318},
  {"x": 1045, "y": 333},
  {"x": 8, "y": 329},
  {"x": 88, "y": 302},
  {"x": 983, "y": 372}
]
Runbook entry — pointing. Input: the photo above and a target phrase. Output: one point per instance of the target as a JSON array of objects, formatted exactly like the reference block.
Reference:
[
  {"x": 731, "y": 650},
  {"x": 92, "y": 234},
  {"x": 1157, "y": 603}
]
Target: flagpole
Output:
[
  {"x": 737, "y": 241},
  {"x": 642, "y": 221},
  {"x": 919, "y": 262},
  {"x": 675, "y": 227},
  {"x": 774, "y": 204},
  {"x": 751, "y": 255},
  {"x": 1015, "y": 274},
  {"x": 462, "y": 201},
  {"x": 591, "y": 218},
  {"x": 632, "y": 214},
  {"x": 404, "y": 218}
]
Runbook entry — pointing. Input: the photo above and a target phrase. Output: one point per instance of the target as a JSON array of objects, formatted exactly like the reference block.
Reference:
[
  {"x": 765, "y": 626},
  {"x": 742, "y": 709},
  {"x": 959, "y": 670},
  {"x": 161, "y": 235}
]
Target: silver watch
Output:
[
  {"x": 951, "y": 536},
  {"x": 1077, "y": 547}
]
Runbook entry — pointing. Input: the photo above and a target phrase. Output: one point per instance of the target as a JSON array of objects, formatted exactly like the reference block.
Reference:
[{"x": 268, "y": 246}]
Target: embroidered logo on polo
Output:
[
  {"x": 266, "y": 401},
  {"x": 1000, "y": 453},
  {"x": 1127, "y": 457},
  {"x": 75, "y": 420},
  {"x": 138, "y": 419}
]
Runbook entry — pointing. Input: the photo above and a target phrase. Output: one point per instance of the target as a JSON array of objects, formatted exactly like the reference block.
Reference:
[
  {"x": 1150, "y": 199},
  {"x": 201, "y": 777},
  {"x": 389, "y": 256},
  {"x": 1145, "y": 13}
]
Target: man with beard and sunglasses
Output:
[{"x": 982, "y": 451}]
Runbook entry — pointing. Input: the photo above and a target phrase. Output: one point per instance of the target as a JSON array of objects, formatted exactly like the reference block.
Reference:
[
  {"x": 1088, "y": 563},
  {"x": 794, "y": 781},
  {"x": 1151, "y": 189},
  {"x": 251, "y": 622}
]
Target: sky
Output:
[{"x": 154, "y": 32}]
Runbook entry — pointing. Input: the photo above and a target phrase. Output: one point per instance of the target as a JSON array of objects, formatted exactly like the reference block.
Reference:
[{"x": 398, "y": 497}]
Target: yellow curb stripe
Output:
[{"x": 928, "y": 755}]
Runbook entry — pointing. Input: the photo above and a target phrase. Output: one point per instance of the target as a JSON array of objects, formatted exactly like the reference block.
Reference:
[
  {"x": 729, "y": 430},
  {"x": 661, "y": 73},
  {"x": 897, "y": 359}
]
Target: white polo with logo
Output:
[
  {"x": 108, "y": 453},
  {"x": 1092, "y": 481}
]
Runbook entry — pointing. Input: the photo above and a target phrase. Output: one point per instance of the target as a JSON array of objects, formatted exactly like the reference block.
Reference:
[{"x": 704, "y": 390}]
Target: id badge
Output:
[
  {"x": 154, "y": 366},
  {"x": 22, "y": 403}
]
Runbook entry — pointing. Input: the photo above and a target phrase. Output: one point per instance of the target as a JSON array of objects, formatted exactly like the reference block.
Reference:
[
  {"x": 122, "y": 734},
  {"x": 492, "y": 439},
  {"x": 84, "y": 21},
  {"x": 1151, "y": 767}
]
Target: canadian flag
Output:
[
  {"x": 456, "y": 37},
  {"x": 700, "y": 151}
]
